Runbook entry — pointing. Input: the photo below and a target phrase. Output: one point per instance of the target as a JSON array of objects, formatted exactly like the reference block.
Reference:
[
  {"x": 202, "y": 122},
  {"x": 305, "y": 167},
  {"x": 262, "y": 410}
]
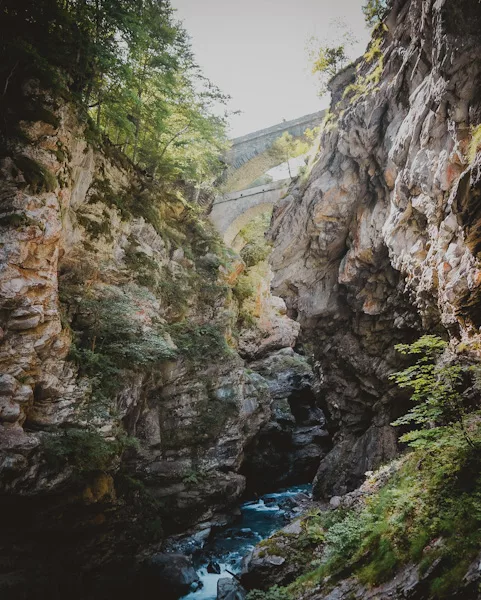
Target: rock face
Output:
[
  {"x": 125, "y": 407},
  {"x": 230, "y": 589},
  {"x": 171, "y": 573},
  {"x": 381, "y": 242},
  {"x": 73, "y": 261},
  {"x": 288, "y": 449}
]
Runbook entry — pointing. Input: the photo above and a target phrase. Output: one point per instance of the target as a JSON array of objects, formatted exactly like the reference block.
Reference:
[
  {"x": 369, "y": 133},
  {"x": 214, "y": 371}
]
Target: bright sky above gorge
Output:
[{"x": 256, "y": 51}]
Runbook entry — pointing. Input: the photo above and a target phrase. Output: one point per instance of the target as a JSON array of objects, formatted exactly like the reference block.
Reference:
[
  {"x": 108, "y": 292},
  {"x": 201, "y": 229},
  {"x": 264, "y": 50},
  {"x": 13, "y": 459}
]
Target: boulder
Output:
[
  {"x": 229, "y": 588},
  {"x": 213, "y": 567},
  {"x": 171, "y": 574}
]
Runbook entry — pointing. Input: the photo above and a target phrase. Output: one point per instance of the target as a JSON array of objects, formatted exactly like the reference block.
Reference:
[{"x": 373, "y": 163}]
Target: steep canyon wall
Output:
[
  {"x": 126, "y": 410},
  {"x": 380, "y": 242}
]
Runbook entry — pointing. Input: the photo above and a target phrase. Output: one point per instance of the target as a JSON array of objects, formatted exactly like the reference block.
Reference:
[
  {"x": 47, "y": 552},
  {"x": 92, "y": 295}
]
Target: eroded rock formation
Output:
[
  {"x": 381, "y": 241},
  {"x": 125, "y": 407}
]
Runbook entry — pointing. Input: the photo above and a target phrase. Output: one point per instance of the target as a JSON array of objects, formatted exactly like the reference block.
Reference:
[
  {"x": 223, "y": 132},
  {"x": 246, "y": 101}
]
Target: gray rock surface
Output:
[
  {"x": 380, "y": 243},
  {"x": 287, "y": 449},
  {"x": 229, "y": 588},
  {"x": 171, "y": 573}
]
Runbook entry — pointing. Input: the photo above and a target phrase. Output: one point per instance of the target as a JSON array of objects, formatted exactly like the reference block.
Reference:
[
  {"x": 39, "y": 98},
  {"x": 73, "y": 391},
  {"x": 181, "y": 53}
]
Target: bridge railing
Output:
[{"x": 261, "y": 189}]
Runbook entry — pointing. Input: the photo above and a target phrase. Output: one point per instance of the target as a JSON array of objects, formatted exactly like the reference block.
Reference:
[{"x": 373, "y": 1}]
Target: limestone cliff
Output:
[
  {"x": 126, "y": 411},
  {"x": 381, "y": 241}
]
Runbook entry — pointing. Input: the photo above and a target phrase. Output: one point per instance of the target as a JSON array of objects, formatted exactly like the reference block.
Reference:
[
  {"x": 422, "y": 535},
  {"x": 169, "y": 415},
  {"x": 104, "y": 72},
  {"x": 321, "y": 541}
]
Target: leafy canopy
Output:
[
  {"x": 129, "y": 64},
  {"x": 374, "y": 11},
  {"x": 436, "y": 384},
  {"x": 331, "y": 54}
]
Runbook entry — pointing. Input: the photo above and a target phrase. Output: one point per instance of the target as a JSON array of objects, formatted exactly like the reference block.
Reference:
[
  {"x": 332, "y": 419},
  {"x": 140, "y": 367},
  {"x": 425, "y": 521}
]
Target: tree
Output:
[
  {"x": 375, "y": 11},
  {"x": 286, "y": 147},
  {"x": 332, "y": 54},
  {"x": 130, "y": 66},
  {"x": 435, "y": 382}
]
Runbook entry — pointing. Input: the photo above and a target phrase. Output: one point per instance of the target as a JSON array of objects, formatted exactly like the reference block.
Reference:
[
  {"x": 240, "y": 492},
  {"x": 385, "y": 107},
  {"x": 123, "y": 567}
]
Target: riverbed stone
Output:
[
  {"x": 171, "y": 573},
  {"x": 228, "y": 588}
]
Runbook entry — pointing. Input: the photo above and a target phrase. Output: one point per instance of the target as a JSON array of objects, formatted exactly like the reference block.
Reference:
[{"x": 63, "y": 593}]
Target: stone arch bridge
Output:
[{"x": 231, "y": 211}]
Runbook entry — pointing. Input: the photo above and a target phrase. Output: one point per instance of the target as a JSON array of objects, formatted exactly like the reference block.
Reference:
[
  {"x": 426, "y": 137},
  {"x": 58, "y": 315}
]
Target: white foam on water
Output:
[{"x": 261, "y": 507}]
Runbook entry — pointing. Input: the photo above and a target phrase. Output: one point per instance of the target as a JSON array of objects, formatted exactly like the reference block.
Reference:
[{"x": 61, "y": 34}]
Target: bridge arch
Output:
[
  {"x": 242, "y": 220},
  {"x": 231, "y": 212}
]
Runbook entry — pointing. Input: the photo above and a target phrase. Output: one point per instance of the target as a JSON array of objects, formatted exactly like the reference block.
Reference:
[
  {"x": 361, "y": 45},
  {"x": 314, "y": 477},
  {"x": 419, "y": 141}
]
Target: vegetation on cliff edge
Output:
[{"x": 429, "y": 510}]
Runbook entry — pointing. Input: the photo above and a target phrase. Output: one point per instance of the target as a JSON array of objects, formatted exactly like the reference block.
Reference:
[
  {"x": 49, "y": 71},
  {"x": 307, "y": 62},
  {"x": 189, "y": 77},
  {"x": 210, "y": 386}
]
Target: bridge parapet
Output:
[
  {"x": 247, "y": 146},
  {"x": 231, "y": 212}
]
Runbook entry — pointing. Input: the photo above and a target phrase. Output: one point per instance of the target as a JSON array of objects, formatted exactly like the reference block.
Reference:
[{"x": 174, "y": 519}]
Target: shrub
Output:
[
  {"x": 244, "y": 288},
  {"x": 430, "y": 509},
  {"x": 199, "y": 343},
  {"x": 274, "y": 593},
  {"x": 436, "y": 392},
  {"x": 113, "y": 337},
  {"x": 85, "y": 450},
  {"x": 375, "y": 11}
]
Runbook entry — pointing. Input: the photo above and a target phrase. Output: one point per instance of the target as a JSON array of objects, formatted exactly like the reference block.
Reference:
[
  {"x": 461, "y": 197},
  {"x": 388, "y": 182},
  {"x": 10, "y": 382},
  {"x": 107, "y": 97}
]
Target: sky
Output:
[{"x": 256, "y": 51}]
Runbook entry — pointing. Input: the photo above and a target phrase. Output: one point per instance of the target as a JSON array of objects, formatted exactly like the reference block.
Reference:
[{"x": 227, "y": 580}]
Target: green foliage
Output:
[
  {"x": 375, "y": 11},
  {"x": 475, "y": 143},
  {"x": 286, "y": 147},
  {"x": 243, "y": 288},
  {"x": 130, "y": 68},
  {"x": 330, "y": 55},
  {"x": 113, "y": 324},
  {"x": 344, "y": 536},
  {"x": 274, "y": 593},
  {"x": 436, "y": 392},
  {"x": 114, "y": 337},
  {"x": 95, "y": 228},
  {"x": 257, "y": 248},
  {"x": 193, "y": 476},
  {"x": 429, "y": 510},
  {"x": 368, "y": 83},
  {"x": 85, "y": 450},
  {"x": 199, "y": 343}
]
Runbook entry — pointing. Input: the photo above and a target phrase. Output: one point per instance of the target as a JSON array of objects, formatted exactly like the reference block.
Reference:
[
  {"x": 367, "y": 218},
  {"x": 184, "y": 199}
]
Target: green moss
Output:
[
  {"x": 475, "y": 143},
  {"x": 145, "y": 269},
  {"x": 36, "y": 175},
  {"x": 199, "y": 343}
]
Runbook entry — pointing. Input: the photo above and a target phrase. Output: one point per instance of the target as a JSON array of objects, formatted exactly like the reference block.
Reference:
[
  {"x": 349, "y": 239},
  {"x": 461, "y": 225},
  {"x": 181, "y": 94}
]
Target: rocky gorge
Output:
[
  {"x": 152, "y": 379},
  {"x": 127, "y": 414}
]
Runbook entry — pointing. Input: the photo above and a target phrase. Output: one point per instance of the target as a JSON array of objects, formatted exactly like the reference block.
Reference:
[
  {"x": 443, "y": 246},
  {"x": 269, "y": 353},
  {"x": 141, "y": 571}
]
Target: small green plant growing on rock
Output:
[
  {"x": 85, "y": 450},
  {"x": 331, "y": 55},
  {"x": 367, "y": 84},
  {"x": 257, "y": 248},
  {"x": 475, "y": 143},
  {"x": 436, "y": 393},
  {"x": 199, "y": 343},
  {"x": 274, "y": 593},
  {"x": 375, "y": 11}
]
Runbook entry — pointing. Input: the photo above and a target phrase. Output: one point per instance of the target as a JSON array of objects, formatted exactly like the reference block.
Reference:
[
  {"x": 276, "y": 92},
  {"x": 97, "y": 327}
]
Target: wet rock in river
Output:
[
  {"x": 213, "y": 567},
  {"x": 230, "y": 589},
  {"x": 171, "y": 573}
]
